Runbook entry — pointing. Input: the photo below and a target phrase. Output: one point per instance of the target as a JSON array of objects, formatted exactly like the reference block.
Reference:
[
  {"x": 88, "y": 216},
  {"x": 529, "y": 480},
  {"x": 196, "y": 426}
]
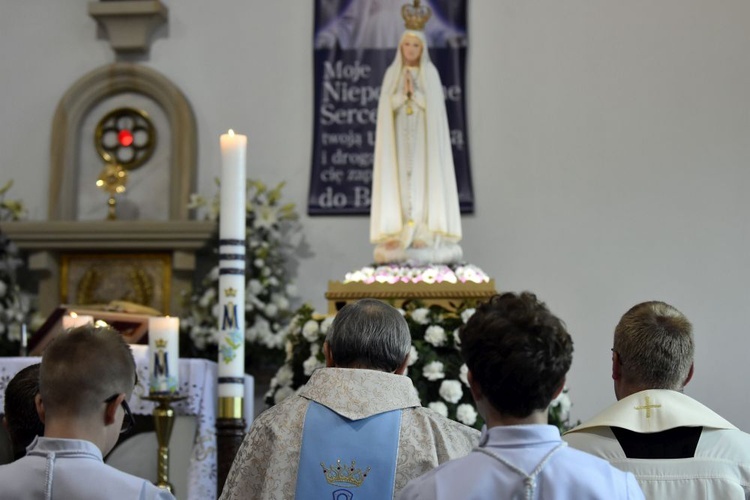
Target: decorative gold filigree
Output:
[{"x": 415, "y": 15}]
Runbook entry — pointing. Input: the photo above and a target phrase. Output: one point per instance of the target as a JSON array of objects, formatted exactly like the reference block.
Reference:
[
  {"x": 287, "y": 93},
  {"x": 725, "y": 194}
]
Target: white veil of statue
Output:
[{"x": 415, "y": 214}]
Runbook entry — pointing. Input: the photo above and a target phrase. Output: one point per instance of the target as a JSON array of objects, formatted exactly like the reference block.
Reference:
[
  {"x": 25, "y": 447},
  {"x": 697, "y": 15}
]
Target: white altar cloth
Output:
[{"x": 198, "y": 383}]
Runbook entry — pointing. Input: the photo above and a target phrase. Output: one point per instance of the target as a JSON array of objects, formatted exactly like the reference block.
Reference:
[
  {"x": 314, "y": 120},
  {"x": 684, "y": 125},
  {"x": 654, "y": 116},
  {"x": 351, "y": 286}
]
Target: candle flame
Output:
[{"x": 231, "y": 132}]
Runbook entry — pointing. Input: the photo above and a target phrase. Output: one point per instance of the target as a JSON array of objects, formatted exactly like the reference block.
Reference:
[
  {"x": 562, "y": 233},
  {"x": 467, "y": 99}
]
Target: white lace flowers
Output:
[
  {"x": 311, "y": 330},
  {"x": 435, "y": 335},
  {"x": 433, "y": 371},
  {"x": 450, "y": 390},
  {"x": 439, "y": 407},
  {"x": 466, "y": 414}
]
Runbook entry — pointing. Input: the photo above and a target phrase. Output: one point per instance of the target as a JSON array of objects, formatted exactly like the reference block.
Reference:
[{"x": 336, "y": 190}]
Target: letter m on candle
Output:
[
  {"x": 161, "y": 364},
  {"x": 229, "y": 319}
]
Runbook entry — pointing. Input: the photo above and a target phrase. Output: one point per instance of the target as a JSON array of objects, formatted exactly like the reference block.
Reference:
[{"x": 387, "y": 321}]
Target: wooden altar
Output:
[{"x": 171, "y": 244}]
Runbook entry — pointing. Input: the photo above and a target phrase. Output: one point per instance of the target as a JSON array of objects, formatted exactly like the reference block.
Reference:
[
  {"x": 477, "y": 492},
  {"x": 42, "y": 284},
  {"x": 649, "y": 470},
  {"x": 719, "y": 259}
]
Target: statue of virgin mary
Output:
[{"x": 414, "y": 215}]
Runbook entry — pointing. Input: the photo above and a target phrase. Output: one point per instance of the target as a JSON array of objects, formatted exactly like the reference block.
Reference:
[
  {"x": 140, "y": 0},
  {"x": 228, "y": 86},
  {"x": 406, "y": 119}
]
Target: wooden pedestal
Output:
[{"x": 444, "y": 294}]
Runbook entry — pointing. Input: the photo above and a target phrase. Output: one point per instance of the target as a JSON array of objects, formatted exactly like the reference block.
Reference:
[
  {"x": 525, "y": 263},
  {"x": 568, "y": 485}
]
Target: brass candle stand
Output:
[{"x": 163, "y": 423}]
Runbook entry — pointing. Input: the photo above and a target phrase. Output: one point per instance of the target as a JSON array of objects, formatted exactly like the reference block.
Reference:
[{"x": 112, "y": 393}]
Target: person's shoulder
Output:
[
  {"x": 599, "y": 473},
  {"x": 118, "y": 480},
  {"x": 581, "y": 460},
  {"x": 732, "y": 444},
  {"x": 283, "y": 410},
  {"x": 14, "y": 477}
]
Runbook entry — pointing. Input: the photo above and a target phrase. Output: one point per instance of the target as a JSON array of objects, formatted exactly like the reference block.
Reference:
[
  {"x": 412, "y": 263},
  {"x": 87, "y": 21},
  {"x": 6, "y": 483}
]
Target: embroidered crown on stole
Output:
[
  {"x": 415, "y": 16},
  {"x": 341, "y": 475},
  {"x": 230, "y": 292},
  {"x": 161, "y": 343}
]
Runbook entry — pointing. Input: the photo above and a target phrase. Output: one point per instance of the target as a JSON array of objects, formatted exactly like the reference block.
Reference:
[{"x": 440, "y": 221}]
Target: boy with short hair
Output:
[
  {"x": 86, "y": 377},
  {"x": 517, "y": 354}
]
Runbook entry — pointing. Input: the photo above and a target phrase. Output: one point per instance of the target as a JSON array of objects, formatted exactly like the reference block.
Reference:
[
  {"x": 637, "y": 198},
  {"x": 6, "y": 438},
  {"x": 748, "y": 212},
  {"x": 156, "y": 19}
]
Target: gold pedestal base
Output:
[
  {"x": 443, "y": 294},
  {"x": 163, "y": 423}
]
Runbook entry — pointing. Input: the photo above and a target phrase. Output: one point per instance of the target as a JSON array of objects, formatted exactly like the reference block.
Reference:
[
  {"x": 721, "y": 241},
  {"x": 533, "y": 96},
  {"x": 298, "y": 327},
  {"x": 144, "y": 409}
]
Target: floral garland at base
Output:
[{"x": 435, "y": 364}]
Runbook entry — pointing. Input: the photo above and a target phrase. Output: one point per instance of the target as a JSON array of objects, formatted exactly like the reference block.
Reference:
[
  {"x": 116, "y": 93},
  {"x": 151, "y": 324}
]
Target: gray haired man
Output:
[{"x": 356, "y": 427}]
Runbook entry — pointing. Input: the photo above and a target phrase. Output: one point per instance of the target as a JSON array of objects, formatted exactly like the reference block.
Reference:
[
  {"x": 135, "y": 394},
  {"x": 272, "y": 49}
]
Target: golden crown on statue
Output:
[
  {"x": 230, "y": 292},
  {"x": 161, "y": 343},
  {"x": 416, "y": 15},
  {"x": 341, "y": 475}
]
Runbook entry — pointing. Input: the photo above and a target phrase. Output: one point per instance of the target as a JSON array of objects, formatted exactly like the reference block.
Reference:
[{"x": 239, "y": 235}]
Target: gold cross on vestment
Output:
[{"x": 647, "y": 407}]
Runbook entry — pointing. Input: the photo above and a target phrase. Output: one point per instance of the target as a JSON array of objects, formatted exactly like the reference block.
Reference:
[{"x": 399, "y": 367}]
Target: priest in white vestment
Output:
[
  {"x": 675, "y": 446},
  {"x": 414, "y": 213}
]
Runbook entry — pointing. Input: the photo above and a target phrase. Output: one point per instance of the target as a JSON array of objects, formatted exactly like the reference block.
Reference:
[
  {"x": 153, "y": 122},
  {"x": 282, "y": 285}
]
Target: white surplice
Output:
[{"x": 720, "y": 468}]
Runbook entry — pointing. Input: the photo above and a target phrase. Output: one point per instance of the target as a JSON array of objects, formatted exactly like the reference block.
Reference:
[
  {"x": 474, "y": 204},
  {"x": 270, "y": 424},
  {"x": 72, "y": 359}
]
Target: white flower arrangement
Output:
[
  {"x": 273, "y": 235},
  {"x": 466, "y": 414},
  {"x": 394, "y": 273},
  {"x": 451, "y": 391},
  {"x": 559, "y": 411},
  {"x": 439, "y": 374},
  {"x": 438, "y": 407},
  {"x": 433, "y": 371},
  {"x": 435, "y": 335},
  {"x": 14, "y": 305}
]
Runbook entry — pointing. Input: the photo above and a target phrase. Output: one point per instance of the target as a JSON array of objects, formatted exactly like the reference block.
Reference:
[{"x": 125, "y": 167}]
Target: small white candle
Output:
[
  {"x": 24, "y": 336},
  {"x": 74, "y": 320},
  {"x": 164, "y": 352}
]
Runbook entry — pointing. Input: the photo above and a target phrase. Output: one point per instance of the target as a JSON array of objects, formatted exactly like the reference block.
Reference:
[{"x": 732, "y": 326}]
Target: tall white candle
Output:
[
  {"x": 232, "y": 266},
  {"x": 163, "y": 354},
  {"x": 74, "y": 320}
]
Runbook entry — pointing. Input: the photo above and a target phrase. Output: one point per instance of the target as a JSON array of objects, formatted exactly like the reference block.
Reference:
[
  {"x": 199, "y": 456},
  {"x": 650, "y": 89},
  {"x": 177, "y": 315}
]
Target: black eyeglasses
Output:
[{"x": 129, "y": 421}]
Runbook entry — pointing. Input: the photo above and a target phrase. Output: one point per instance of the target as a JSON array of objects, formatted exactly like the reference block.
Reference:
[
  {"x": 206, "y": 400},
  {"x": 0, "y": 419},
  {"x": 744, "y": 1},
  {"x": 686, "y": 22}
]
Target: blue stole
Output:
[{"x": 344, "y": 459}]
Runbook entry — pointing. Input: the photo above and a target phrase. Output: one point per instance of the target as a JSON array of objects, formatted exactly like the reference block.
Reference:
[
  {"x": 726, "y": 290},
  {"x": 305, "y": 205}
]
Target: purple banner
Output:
[{"x": 355, "y": 42}]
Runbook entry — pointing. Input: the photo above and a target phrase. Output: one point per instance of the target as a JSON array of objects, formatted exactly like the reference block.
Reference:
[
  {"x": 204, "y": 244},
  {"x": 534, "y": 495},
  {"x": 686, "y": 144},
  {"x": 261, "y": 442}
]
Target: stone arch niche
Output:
[
  {"x": 80, "y": 99},
  {"x": 66, "y": 251}
]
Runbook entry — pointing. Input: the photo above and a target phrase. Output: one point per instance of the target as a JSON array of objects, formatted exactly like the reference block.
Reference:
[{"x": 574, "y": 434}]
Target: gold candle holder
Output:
[{"x": 163, "y": 423}]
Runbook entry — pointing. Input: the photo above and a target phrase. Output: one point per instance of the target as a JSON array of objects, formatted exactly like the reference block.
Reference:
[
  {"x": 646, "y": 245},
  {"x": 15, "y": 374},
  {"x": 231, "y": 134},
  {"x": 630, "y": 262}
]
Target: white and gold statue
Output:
[{"x": 415, "y": 214}]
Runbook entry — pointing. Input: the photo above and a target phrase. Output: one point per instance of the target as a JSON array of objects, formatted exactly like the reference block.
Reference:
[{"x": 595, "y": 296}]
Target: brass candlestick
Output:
[{"x": 163, "y": 423}]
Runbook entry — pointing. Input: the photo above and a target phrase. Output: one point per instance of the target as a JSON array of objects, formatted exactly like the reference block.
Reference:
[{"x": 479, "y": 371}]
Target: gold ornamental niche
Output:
[
  {"x": 161, "y": 187},
  {"x": 96, "y": 279},
  {"x": 153, "y": 214},
  {"x": 125, "y": 139}
]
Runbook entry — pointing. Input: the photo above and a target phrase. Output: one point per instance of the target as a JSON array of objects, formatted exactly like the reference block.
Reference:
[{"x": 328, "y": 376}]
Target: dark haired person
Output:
[
  {"x": 357, "y": 428},
  {"x": 21, "y": 419},
  {"x": 86, "y": 377},
  {"x": 675, "y": 446},
  {"x": 518, "y": 354}
]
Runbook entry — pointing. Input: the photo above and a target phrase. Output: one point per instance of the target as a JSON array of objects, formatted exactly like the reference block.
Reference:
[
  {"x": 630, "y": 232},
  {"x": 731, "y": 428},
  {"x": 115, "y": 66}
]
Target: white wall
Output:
[{"x": 609, "y": 141}]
